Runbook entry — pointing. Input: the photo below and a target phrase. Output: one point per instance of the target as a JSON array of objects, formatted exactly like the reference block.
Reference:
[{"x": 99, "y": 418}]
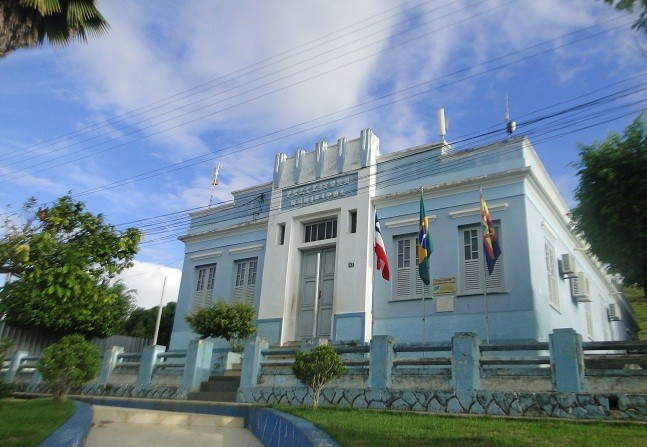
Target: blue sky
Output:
[{"x": 133, "y": 122}]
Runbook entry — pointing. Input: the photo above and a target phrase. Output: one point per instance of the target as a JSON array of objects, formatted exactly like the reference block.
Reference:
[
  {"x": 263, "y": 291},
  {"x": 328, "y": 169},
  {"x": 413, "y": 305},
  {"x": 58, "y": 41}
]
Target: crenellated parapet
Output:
[{"x": 326, "y": 160}]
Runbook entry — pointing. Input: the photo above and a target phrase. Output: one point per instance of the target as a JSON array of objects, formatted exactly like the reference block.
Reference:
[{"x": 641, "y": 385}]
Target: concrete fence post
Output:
[
  {"x": 109, "y": 363},
  {"x": 198, "y": 363},
  {"x": 381, "y": 362},
  {"x": 14, "y": 365},
  {"x": 466, "y": 361},
  {"x": 566, "y": 360},
  {"x": 147, "y": 363},
  {"x": 252, "y": 358}
]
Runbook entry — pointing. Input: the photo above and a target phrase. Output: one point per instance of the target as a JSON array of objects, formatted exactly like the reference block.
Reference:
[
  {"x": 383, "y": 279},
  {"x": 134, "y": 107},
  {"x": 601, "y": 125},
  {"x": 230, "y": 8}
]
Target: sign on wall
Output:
[
  {"x": 444, "y": 286},
  {"x": 317, "y": 192}
]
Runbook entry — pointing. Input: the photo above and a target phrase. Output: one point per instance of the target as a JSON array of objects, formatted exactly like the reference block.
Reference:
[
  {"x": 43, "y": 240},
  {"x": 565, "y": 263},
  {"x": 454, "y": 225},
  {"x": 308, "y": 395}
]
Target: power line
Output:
[
  {"x": 208, "y": 157},
  {"x": 228, "y": 78},
  {"x": 239, "y": 212}
]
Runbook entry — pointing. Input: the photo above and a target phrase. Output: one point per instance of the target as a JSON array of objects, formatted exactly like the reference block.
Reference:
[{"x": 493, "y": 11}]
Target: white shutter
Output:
[
  {"x": 472, "y": 263},
  {"x": 245, "y": 281},
  {"x": 472, "y": 276},
  {"x": 211, "y": 279},
  {"x": 204, "y": 286},
  {"x": 198, "y": 295},
  {"x": 403, "y": 287},
  {"x": 553, "y": 295},
  {"x": 495, "y": 280}
]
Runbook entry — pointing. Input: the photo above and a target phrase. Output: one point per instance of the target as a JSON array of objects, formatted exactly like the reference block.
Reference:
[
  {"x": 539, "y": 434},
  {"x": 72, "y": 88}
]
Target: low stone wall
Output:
[
  {"x": 151, "y": 391},
  {"x": 552, "y": 404}
]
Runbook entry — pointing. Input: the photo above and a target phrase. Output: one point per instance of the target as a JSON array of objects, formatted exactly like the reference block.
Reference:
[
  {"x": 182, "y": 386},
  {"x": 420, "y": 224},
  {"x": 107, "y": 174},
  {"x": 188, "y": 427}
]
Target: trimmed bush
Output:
[
  {"x": 234, "y": 322},
  {"x": 317, "y": 367},
  {"x": 70, "y": 363}
]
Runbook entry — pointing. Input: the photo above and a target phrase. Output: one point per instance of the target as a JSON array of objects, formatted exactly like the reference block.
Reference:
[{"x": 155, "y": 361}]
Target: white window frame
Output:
[
  {"x": 245, "y": 272},
  {"x": 204, "y": 285},
  {"x": 551, "y": 274},
  {"x": 588, "y": 311},
  {"x": 408, "y": 285},
  {"x": 320, "y": 231},
  {"x": 472, "y": 268}
]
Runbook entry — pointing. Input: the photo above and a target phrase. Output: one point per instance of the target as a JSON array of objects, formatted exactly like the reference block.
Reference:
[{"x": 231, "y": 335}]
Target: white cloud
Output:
[
  {"x": 346, "y": 54},
  {"x": 148, "y": 280}
]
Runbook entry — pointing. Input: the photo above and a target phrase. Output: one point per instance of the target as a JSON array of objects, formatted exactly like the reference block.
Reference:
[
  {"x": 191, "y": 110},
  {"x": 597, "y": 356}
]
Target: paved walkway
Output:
[{"x": 126, "y": 427}]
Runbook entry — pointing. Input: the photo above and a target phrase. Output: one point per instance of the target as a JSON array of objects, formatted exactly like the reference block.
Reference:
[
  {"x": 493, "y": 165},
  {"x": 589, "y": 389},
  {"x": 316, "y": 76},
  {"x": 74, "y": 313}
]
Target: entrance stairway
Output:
[{"x": 220, "y": 388}]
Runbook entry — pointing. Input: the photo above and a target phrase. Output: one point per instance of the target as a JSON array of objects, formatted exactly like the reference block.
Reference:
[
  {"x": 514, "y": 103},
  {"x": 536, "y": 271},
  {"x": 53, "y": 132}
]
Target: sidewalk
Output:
[{"x": 126, "y": 427}]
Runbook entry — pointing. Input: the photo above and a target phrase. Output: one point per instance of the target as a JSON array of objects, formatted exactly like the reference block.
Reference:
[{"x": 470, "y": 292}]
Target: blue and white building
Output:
[{"x": 300, "y": 248}]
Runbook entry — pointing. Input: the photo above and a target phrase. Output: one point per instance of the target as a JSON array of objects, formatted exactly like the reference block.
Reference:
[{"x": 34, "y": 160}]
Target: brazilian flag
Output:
[{"x": 425, "y": 245}]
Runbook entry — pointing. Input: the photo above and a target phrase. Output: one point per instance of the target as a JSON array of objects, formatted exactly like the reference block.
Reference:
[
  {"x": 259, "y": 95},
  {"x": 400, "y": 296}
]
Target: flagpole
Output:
[
  {"x": 424, "y": 311},
  {"x": 373, "y": 279},
  {"x": 487, "y": 317},
  {"x": 374, "y": 267}
]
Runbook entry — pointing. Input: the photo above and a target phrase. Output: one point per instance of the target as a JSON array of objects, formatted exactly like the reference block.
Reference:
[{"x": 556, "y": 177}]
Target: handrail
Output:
[
  {"x": 516, "y": 346},
  {"x": 172, "y": 354},
  {"x": 614, "y": 345},
  {"x": 279, "y": 351},
  {"x": 422, "y": 347},
  {"x": 129, "y": 355}
]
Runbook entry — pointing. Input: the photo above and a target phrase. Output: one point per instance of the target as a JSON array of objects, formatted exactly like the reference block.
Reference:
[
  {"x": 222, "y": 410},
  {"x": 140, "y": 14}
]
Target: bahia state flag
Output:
[
  {"x": 382, "y": 262},
  {"x": 490, "y": 241},
  {"x": 425, "y": 245}
]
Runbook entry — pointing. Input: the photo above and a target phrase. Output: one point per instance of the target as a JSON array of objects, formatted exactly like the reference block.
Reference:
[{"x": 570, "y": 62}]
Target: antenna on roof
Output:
[
  {"x": 442, "y": 124},
  {"x": 511, "y": 126},
  {"x": 214, "y": 182}
]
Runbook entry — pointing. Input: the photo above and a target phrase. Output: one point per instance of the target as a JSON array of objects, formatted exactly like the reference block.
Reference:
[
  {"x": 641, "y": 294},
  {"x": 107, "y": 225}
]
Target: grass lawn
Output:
[
  {"x": 353, "y": 427},
  {"x": 27, "y": 423},
  {"x": 636, "y": 298}
]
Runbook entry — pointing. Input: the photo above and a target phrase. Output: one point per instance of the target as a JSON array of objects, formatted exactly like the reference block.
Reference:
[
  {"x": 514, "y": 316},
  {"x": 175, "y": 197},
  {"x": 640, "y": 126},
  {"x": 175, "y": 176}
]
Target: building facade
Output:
[{"x": 301, "y": 249}]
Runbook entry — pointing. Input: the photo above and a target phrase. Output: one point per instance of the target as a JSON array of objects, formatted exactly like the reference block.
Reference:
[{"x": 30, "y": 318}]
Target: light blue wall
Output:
[
  {"x": 247, "y": 208},
  {"x": 403, "y": 319},
  {"x": 519, "y": 194}
]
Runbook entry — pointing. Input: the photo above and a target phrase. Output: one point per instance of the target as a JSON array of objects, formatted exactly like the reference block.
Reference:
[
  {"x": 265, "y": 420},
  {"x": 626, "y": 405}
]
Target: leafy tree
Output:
[
  {"x": 5, "y": 346},
  {"x": 629, "y": 5},
  {"x": 64, "y": 260},
  {"x": 611, "y": 213},
  {"x": 27, "y": 23},
  {"x": 317, "y": 367},
  {"x": 234, "y": 322},
  {"x": 70, "y": 363},
  {"x": 141, "y": 323}
]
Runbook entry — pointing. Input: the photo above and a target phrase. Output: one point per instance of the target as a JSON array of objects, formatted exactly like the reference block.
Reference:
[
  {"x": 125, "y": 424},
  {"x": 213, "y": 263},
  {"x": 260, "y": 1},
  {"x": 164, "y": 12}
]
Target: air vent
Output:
[
  {"x": 580, "y": 287},
  {"x": 614, "y": 314},
  {"x": 567, "y": 266}
]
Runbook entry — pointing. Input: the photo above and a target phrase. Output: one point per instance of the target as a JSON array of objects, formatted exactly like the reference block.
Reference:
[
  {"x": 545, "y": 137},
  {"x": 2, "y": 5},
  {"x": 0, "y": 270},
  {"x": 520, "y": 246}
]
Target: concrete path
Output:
[{"x": 126, "y": 427}]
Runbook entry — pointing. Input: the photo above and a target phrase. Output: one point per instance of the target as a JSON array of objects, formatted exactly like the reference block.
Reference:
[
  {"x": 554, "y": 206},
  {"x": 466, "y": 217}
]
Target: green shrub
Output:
[
  {"x": 70, "y": 363},
  {"x": 234, "y": 322},
  {"x": 317, "y": 367}
]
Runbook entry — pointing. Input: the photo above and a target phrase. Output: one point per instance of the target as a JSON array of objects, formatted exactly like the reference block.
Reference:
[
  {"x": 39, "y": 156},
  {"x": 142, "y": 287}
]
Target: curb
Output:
[{"x": 74, "y": 431}]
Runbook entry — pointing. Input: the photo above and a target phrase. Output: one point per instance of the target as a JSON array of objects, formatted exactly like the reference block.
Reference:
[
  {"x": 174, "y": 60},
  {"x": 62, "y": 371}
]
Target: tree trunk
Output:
[
  {"x": 18, "y": 27},
  {"x": 315, "y": 397}
]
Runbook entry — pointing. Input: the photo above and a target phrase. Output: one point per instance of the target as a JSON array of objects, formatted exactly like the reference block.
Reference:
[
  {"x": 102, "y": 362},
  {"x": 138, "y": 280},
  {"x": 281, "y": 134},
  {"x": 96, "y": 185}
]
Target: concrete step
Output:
[
  {"x": 214, "y": 396},
  {"x": 235, "y": 371},
  {"x": 103, "y": 415},
  {"x": 221, "y": 384}
]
